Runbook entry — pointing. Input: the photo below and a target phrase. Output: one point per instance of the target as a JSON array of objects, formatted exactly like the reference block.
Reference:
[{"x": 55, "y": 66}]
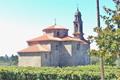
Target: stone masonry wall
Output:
[{"x": 30, "y": 59}]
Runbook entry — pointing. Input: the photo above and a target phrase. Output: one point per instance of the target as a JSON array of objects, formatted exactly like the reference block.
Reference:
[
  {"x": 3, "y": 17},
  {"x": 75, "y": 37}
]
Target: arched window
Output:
[
  {"x": 56, "y": 47},
  {"x": 58, "y": 33},
  {"x": 76, "y": 27}
]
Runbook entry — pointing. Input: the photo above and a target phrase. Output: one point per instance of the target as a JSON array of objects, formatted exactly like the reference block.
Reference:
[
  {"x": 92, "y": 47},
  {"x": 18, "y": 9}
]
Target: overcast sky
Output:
[{"x": 21, "y": 20}]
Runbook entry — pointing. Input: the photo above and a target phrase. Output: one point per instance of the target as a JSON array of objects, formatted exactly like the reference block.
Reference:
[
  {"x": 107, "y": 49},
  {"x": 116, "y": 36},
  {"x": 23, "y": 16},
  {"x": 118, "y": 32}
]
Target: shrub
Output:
[{"x": 56, "y": 73}]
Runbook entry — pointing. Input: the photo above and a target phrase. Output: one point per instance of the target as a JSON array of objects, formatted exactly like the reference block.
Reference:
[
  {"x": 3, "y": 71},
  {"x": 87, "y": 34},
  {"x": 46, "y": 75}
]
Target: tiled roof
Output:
[
  {"x": 36, "y": 48},
  {"x": 55, "y": 27},
  {"x": 69, "y": 38},
  {"x": 45, "y": 37}
]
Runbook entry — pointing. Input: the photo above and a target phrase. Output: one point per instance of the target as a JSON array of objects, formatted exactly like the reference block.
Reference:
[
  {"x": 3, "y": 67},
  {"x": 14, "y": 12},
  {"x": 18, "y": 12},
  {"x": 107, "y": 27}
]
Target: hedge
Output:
[{"x": 57, "y": 73}]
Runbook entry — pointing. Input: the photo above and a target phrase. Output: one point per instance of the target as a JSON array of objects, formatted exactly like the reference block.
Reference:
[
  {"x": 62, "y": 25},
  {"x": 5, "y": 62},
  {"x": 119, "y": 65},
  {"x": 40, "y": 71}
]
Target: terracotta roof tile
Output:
[
  {"x": 45, "y": 37},
  {"x": 36, "y": 48},
  {"x": 69, "y": 38},
  {"x": 55, "y": 27}
]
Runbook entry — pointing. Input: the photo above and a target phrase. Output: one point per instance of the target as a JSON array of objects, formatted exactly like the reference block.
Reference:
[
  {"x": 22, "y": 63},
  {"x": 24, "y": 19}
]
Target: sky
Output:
[{"x": 22, "y": 20}]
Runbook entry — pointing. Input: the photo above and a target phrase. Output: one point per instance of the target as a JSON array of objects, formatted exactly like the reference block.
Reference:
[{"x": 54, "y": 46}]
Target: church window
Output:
[
  {"x": 58, "y": 33},
  {"x": 76, "y": 27},
  {"x": 66, "y": 33},
  {"x": 56, "y": 47}
]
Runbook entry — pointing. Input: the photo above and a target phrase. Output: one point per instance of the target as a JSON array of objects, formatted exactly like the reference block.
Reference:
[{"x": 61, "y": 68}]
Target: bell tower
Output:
[{"x": 78, "y": 25}]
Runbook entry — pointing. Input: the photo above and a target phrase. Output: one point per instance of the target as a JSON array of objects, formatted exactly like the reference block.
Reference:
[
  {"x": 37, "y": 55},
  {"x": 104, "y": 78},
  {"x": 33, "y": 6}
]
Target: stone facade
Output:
[{"x": 56, "y": 48}]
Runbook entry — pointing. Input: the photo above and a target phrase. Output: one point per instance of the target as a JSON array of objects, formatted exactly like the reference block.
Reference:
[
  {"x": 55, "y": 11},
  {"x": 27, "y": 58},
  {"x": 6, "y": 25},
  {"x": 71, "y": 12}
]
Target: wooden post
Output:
[
  {"x": 98, "y": 14},
  {"x": 98, "y": 25}
]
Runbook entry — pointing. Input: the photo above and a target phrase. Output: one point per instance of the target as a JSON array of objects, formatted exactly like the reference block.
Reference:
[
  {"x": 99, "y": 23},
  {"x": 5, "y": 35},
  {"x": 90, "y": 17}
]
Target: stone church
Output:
[{"x": 56, "y": 48}]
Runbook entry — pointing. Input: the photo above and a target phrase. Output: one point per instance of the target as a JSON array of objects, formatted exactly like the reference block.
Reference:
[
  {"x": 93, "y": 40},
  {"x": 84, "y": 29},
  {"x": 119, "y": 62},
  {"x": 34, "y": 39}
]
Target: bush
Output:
[{"x": 52, "y": 73}]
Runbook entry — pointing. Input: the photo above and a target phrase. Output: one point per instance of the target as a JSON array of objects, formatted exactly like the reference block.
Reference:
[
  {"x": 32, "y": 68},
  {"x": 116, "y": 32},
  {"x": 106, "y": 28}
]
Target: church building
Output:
[{"x": 56, "y": 48}]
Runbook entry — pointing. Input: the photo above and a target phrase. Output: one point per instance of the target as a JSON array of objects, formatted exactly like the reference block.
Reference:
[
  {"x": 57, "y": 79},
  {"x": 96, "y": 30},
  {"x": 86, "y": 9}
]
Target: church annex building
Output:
[{"x": 56, "y": 48}]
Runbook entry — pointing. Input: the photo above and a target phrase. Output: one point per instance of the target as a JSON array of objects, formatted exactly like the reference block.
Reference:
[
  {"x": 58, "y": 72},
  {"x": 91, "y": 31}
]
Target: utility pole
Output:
[
  {"x": 101, "y": 57},
  {"x": 98, "y": 14}
]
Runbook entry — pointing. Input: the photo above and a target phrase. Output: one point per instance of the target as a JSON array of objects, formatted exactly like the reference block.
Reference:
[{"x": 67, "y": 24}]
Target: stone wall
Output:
[
  {"x": 33, "y": 59},
  {"x": 46, "y": 59},
  {"x": 57, "y": 33},
  {"x": 68, "y": 53},
  {"x": 30, "y": 59},
  {"x": 85, "y": 50},
  {"x": 80, "y": 54},
  {"x": 74, "y": 53},
  {"x": 60, "y": 33},
  {"x": 55, "y": 53}
]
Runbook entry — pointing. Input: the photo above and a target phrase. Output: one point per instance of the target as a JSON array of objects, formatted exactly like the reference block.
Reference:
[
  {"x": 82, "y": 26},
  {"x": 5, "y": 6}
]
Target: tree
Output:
[
  {"x": 14, "y": 60},
  {"x": 108, "y": 42},
  {"x": 108, "y": 39},
  {"x": 112, "y": 19}
]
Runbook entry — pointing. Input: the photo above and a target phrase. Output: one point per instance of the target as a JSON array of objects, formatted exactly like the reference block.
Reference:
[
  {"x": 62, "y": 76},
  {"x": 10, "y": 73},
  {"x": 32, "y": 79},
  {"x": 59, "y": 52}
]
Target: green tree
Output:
[
  {"x": 108, "y": 42},
  {"x": 112, "y": 19},
  {"x": 14, "y": 60},
  {"x": 108, "y": 39}
]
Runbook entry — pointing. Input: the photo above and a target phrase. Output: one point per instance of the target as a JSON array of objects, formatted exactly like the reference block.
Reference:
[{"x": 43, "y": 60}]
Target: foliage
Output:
[
  {"x": 112, "y": 18},
  {"x": 110, "y": 60},
  {"x": 108, "y": 38},
  {"x": 108, "y": 42},
  {"x": 94, "y": 60},
  {"x": 65, "y": 73},
  {"x": 8, "y": 60}
]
